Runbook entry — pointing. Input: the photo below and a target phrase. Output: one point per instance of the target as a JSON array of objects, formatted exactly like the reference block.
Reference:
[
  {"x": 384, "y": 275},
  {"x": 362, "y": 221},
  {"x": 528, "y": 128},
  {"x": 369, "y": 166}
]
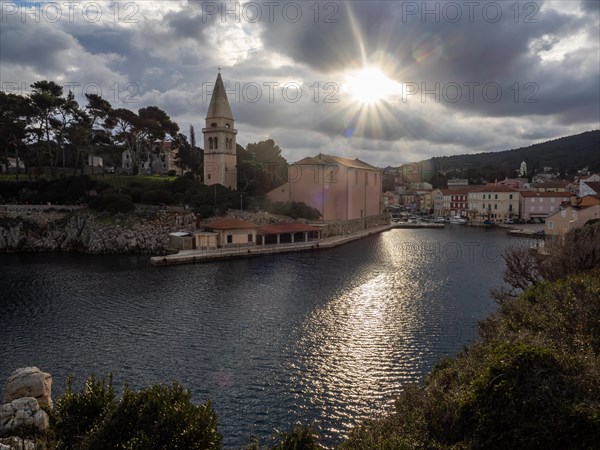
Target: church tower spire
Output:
[{"x": 220, "y": 160}]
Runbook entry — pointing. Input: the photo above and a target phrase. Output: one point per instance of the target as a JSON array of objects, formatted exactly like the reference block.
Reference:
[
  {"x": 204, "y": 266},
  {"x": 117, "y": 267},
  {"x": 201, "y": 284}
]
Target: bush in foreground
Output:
[{"x": 158, "y": 417}]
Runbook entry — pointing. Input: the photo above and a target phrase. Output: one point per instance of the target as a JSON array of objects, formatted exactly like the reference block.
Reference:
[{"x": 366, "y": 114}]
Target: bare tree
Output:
[{"x": 576, "y": 251}]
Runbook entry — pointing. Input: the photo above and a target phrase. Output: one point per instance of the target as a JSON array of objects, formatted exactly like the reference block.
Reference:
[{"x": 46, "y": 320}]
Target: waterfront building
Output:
[
  {"x": 340, "y": 188},
  {"x": 391, "y": 199},
  {"x": 453, "y": 202},
  {"x": 570, "y": 217},
  {"x": 228, "y": 232},
  {"x": 220, "y": 159},
  {"x": 493, "y": 202},
  {"x": 539, "y": 205}
]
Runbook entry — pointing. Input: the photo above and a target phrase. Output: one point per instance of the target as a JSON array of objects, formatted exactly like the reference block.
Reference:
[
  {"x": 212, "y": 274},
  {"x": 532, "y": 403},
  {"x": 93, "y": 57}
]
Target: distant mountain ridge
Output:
[{"x": 568, "y": 153}]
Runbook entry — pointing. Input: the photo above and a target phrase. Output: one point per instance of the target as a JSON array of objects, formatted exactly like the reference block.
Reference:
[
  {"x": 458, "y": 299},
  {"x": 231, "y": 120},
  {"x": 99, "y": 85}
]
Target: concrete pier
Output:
[{"x": 197, "y": 256}]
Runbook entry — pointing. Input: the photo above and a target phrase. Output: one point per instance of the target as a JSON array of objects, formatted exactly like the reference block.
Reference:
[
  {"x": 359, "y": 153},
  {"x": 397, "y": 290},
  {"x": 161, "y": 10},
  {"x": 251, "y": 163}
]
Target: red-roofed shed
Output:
[{"x": 279, "y": 233}]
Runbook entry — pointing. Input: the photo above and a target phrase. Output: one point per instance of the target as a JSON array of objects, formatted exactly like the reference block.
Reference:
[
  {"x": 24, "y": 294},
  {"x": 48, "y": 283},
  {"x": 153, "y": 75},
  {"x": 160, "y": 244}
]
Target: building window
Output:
[
  {"x": 229, "y": 239},
  {"x": 484, "y": 206},
  {"x": 510, "y": 197},
  {"x": 496, "y": 196},
  {"x": 367, "y": 178},
  {"x": 495, "y": 206},
  {"x": 510, "y": 208},
  {"x": 550, "y": 225},
  {"x": 250, "y": 237},
  {"x": 216, "y": 143},
  {"x": 214, "y": 125}
]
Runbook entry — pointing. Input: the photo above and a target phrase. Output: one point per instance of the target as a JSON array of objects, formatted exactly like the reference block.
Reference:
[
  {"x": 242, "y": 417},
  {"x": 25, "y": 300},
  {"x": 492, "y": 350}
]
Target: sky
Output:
[{"x": 387, "y": 82}]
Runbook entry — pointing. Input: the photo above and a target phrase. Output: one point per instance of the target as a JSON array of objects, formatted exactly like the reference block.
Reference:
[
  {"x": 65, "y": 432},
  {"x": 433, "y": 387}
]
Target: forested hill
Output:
[{"x": 568, "y": 153}]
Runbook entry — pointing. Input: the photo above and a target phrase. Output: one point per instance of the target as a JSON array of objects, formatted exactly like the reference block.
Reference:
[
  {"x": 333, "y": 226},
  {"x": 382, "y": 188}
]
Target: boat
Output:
[
  {"x": 458, "y": 220},
  {"x": 439, "y": 220}
]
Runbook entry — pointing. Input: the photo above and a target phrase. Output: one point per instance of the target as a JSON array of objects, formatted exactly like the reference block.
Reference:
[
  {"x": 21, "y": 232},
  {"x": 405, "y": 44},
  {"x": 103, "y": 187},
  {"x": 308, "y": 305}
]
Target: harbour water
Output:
[{"x": 328, "y": 338}]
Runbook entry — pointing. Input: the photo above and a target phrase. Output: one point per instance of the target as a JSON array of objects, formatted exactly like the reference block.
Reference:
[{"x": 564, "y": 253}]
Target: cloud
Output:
[{"x": 530, "y": 74}]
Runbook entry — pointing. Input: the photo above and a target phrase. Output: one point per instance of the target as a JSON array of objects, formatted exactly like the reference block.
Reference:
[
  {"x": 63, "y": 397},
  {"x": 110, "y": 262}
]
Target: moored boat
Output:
[{"x": 458, "y": 220}]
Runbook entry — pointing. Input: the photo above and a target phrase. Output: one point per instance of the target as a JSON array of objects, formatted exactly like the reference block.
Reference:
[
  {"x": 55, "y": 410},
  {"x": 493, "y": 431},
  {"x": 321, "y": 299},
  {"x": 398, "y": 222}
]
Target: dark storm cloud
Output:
[
  {"x": 591, "y": 6},
  {"x": 37, "y": 46},
  {"x": 472, "y": 54},
  {"x": 172, "y": 56}
]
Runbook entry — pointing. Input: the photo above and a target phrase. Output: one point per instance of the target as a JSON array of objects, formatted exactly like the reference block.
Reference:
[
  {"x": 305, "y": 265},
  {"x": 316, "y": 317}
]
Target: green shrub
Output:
[
  {"x": 157, "y": 196},
  {"x": 112, "y": 203},
  {"x": 75, "y": 414},
  {"x": 158, "y": 417},
  {"x": 295, "y": 210},
  {"x": 526, "y": 397},
  {"x": 299, "y": 438}
]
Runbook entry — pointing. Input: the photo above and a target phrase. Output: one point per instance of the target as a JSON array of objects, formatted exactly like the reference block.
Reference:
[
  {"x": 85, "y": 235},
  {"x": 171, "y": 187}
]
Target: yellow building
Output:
[
  {"x": 229, "y": 232},
  {"x": 569, "y": 218},
  {"x": 493, "y": 202}
]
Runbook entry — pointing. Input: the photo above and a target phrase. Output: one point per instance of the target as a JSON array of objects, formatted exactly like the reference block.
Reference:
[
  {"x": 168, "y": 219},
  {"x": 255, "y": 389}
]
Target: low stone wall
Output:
[
  {"x": 340, "y": 228},
  {"x": 42, "y": 230}
]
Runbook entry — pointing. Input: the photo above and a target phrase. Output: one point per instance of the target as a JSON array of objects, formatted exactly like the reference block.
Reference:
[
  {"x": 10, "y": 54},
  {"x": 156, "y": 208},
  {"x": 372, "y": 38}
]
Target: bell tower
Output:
[{"x": 220, "y": 160}]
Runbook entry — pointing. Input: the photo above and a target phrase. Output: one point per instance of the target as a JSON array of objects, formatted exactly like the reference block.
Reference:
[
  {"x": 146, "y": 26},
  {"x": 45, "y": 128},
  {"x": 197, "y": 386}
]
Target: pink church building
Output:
[{"x": 340, "y": 188}]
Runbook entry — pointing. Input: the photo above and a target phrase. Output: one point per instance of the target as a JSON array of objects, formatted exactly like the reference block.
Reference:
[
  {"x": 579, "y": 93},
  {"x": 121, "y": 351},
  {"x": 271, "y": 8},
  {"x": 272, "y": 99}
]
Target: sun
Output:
[{"x": 370, "y": 85}]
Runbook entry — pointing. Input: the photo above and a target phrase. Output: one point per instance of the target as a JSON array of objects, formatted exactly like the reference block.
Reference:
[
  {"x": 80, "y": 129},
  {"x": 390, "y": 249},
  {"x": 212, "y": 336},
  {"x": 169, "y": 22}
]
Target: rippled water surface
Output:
[{"x": 328, "y": 337}]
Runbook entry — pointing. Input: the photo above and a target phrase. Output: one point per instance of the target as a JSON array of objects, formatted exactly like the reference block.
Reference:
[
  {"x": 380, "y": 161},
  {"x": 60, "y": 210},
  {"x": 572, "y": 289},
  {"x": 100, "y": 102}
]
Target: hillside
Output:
[{"x": 568, "y": 153}]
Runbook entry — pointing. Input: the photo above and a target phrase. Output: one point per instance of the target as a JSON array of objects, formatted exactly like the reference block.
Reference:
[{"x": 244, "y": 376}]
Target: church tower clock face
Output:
[{"x": 220, "y": 160}]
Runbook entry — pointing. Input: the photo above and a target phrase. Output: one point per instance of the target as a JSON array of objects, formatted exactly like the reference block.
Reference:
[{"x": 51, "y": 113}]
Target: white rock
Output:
[
  {"x": 29, "y": 382},
  {"x": 23, "y": 411},
  {"x": 15, "y": 443}
]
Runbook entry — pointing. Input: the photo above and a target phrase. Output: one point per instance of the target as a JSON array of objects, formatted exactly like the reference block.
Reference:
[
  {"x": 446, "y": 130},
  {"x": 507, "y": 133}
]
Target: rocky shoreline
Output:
[{"x": 30, "y": 229}]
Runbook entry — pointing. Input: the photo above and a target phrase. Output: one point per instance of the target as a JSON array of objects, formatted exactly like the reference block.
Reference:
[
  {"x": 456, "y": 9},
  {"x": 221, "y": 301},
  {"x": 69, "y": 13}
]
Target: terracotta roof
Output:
[
  {"x": 594, "y": 185},
  {"x": 280, "y": 228},
  {"x": 494, "y": 188},
  {"x": 322, "y": 159},
  {"x": 544, "y": 194},
  {"x": 461, "y": 190},
  {"x": 230, "y": 224},
  {"x": 551, "y": 184}
]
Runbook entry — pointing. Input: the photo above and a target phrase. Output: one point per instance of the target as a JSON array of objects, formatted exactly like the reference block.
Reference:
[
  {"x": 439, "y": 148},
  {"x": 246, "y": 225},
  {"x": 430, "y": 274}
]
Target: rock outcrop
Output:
[
  {"x": 16, "y": 443},
  {"x": 22, "y": 412},
  {"x": 29, "y": 382},
  {"x": 88, "y": 232}
]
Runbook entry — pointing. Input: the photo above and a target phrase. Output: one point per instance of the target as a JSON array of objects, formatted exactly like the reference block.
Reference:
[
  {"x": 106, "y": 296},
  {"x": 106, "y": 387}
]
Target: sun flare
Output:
[{"x": 370, "y": 85}]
